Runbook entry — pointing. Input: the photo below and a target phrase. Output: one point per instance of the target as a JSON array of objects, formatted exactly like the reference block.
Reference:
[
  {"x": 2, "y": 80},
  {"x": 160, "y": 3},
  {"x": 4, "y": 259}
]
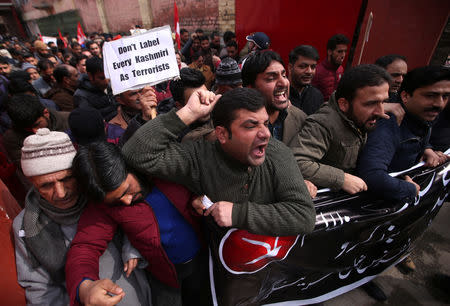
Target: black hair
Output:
[
  {"x": 4, "y": 61},
  {"x": 214, "y": 34},
  {"x": 60, "y": 72},
  {"x": 359, "y": 77},
  {"x": 99, "y": 167},
  {"x": 305, "y": 51},
  {"x": 338, "y": 39},
  {"x": 94, "y": 65},
  {"x": 386, "y": 60},
  {"x": 199, "y": 30},
  {"x": 196, "y": 55},
  {"x": 204, "y": 37},
  {"x": 424, "y": 76},
  {"x": 44, "y": 64},
  {"x": 74, "y": 44},
  {"x": 27, "y": 55},
  {"x": 183, "y": 30},
  {"x": 80, "y": 58},
  {"x": 256, "y": 64},
  {"x": 228, "y": 35},
  {"x": 189, "y": 78},
  {"x": 232, "y": 43},
  {"x": 19, "y": 82},
  {"x": 224, "y": 111},
  {"x": 24, "y": 110}
]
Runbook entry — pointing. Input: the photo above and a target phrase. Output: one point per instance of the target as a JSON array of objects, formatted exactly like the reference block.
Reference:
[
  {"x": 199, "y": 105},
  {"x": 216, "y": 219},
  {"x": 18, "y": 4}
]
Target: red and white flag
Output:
[
  {"x": 80, "y": 34},
  {"x": 63, "y": 39},
  {"x": 176, "y": 23}
]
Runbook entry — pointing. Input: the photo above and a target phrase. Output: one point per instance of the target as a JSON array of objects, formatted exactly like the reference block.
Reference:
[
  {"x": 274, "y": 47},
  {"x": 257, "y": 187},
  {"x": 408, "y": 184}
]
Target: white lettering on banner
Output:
[{"x": 136, "y": 61}]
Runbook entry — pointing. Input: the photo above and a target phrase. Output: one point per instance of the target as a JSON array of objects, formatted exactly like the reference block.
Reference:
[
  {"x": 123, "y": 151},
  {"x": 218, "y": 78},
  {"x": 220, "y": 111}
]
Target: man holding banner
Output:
[{"x": 252, "y": 179}]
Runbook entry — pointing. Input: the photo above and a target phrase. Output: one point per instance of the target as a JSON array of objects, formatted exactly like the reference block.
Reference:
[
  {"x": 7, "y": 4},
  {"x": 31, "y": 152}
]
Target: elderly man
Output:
[
  {"x": 44, "y": 229},
  {"x": 252, "y": 178}
]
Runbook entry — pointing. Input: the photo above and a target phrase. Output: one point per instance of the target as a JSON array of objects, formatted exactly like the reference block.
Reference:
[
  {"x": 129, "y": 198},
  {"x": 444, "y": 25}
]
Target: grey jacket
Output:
[{"x": 329, "y": 144}]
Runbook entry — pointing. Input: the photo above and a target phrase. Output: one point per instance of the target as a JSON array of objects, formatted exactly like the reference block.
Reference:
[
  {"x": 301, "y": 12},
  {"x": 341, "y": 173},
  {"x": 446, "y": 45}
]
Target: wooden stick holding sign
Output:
[{"x": 135, "y": 62}]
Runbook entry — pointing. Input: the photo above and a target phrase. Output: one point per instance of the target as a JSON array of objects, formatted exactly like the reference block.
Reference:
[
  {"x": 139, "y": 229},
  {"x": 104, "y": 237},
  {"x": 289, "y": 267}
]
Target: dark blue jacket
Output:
[{"x": 392, "y": 148}]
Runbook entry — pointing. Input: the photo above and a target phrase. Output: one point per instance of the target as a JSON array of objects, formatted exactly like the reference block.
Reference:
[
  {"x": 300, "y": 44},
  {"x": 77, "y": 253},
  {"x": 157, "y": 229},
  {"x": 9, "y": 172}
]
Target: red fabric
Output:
[
  {"x": 176, "y": 24},
  {"x": 62, "y": 38},
  {"x": 10, "y": 291},
  {"x": 98, "y": 224},
  {"x": 81, "y": 37},
  {"x": 327, "y": 78}
]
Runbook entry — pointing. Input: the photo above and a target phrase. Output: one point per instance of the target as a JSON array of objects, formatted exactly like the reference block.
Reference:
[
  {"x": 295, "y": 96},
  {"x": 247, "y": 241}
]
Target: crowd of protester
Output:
[{"x": 112, "y": 186}]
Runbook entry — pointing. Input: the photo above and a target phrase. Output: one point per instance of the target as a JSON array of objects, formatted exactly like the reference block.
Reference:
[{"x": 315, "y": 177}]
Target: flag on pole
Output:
[
  {"x": 40, "y": 37},
  {"x": 176, "y": 23},
  {"x": 62, "y": 38},
  {"x": 80, "y": 34}
]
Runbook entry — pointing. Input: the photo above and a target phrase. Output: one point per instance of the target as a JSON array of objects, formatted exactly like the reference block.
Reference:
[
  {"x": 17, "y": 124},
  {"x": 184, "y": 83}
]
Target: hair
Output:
[
  {"x": 183, "y": 30},
  {"x": 99, "y": 167},
  {"x": 257, "y": 63},
  {"x": 19, "y": 82},
  {"x": 228, "y": 35},
  {"x": 24, "y": 110},
  {"x": 338, "y": 39},
  {"x": 189, "y": 78},
  {"x": 74, "y": 44},
  {"x": 44, "y": 64},
  {"x": 79, "y": 58},
  {"x": 359, "y": 77},
  {"x": 60, "y": 72},
  {"x": 224, "y": 113},
  {"x": 204, "y": 37},
  {"x": 424, "y": 76},
  {"x": 232, "y": 43},
  {"x": 199, "y": 30},
  {"x": 89, "y": 43},
  {"x": 386, "y": 60},
  {"x": 4, "y": 61},
  {"x": 27, "y": 55},
  {"x": 196, "y": 55},
  {"x": 305, "y": 51},
  {"x": 94, "y": 65},
  {"x": 214, "y": 34}
]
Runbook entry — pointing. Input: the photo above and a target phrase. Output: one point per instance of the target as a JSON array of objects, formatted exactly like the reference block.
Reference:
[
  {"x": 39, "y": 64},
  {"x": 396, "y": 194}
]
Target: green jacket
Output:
[
  {"x": 292, "y": 126},
  {"x": 329, "y": 146},
  {"x": 270, "y": 199}
]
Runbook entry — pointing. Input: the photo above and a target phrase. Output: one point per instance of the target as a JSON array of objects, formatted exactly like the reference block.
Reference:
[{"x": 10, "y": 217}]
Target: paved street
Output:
[{"x": 422, "y": 287}]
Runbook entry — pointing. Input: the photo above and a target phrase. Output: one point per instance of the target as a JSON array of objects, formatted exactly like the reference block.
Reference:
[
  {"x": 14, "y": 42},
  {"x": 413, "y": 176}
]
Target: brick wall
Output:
[{"x": 226, "y": 15}]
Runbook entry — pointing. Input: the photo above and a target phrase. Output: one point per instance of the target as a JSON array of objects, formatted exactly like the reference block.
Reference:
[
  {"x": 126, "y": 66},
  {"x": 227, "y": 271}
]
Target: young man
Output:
[
  {"x": 302, "y": 68},
  {"x": 265, "y": 72},
  {"x": 46, "y": 81},
  {"x": 331, "y": 139},
  {"x": 330, "y": 70},
  {"x": 91, "y": 91},
  {"x": 165, "y": 234},
  {"x": 252, "y": 179}
]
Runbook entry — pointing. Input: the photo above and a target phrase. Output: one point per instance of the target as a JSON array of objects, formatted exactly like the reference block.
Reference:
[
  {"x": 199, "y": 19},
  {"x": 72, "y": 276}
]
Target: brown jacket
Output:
[
  {"x": 63, "y": 97},
  {"x": 329, "y": 144}
]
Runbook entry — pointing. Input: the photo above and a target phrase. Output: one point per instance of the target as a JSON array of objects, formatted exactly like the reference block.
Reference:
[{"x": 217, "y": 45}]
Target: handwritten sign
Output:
[
  {"x": 135, "y": 61},
  {"x": 47, "y": 39}
]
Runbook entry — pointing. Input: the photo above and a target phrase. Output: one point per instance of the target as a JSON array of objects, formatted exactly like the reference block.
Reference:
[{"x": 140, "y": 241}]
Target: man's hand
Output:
[
  {"x": 200, "y": 104},
  {"x": 221, "y": 212},
  {"x": 353, "y": 184},
  {"x": 396, "y": 109},
  {"x": 434, "y": 158},
  {"x": 130, "y": 265},
  {"x": 147, "y": 98},
  {"x": 198, "y": 205},
  {"x": 409, "y": 180},
  {"x": 311, "y": 188},
  {"x": 97, "y": 293}
]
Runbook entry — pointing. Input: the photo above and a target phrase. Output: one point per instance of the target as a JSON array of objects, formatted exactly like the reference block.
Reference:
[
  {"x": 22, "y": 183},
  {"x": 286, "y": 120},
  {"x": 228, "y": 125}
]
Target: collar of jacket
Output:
[
  {"x": 333, "y": 103},
  {"x": 330, "y": 66}
]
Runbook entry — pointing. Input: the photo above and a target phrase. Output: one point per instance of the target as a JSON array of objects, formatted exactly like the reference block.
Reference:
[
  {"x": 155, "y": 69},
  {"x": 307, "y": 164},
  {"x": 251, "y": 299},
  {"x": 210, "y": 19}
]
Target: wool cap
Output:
[
  {"x": 228, "y": 72},
  {"x": 260, "y": 39},
  {"x": 26, "y": 66},
  {"x": 46, "y": 152}
]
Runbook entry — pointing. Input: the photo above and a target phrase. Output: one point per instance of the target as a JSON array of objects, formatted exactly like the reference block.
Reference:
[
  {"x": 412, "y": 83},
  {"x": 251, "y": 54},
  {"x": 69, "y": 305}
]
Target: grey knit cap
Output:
[
  {"x": 46, "y": 152},
  {"x": 228, "y": 72}
]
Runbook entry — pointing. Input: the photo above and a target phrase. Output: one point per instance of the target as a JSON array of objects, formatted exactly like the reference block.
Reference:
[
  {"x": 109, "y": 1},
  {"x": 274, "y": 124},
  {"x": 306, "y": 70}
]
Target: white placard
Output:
[
  {"x": 135, "y": 61},
  {"x": 47, "y": 39}
]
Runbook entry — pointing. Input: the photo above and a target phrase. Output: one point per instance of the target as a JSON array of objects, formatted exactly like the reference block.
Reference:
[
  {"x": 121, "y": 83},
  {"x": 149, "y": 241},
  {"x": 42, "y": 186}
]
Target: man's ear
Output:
[
  {"x": 221, "y": 134},
  {"x": 46, "y": 113},
  {"x": 343, "y": 104}
]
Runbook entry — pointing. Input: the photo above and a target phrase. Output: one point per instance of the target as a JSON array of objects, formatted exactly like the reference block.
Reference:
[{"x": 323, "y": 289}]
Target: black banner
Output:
[{"x": 356, "y": 238}]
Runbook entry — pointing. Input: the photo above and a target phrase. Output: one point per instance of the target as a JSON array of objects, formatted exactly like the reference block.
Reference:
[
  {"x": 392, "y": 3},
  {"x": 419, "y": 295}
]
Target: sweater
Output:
[{"x": 270, "y": 199}]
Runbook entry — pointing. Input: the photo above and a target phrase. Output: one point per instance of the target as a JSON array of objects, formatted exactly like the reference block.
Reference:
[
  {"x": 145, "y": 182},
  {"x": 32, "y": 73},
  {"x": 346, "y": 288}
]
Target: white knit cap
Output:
[{"x": 46, "y": 152}]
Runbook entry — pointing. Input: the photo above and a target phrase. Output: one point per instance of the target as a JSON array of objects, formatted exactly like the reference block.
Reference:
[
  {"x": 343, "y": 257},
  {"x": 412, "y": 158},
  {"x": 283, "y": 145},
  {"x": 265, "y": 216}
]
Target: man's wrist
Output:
[
  {"x": 186, "y": 116},
  {"x": 83, "y": 289}
]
